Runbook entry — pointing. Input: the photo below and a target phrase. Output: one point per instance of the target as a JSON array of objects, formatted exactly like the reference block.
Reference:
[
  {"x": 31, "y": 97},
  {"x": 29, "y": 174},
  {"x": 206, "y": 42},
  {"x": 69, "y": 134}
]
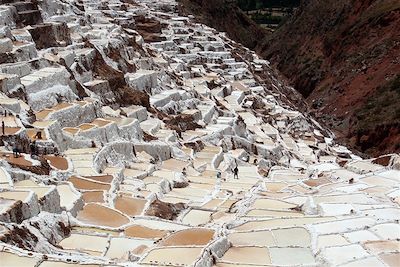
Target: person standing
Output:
[
  {"x": 3, "y": 128},
  {"x": 236, "y": 172}
]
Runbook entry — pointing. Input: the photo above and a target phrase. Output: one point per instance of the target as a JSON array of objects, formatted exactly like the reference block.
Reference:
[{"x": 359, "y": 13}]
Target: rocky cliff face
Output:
[{"x": 343, "y": 56}]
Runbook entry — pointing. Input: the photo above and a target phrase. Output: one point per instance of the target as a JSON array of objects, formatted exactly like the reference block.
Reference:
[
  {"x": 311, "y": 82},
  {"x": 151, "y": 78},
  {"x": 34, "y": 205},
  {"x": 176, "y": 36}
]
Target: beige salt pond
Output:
[
  {"x": 130, "y": 206},
  {"x": 272, "y": 204},
  {"x": 273, "y": 214},
  {"x": 71, "y": 130},
  {"x": 99, "y": 215},
  {"x": 197, "y": 217},
  {"x": 90, "y": 244},
  {"x": 68, "y": 196},
  {"x": 12, "y": 260},
  {"x": 247, "y": 255},
  {"x": 172, "y": 256},
  {"x": 276, "y": 223},
  {"x": 189, "y": 237},
  {"x": 63, "y": 264},
  {"x": 16, "y": 195},
  {"x": 120, "y": 246},
  {"x": 258, "y": 238}
]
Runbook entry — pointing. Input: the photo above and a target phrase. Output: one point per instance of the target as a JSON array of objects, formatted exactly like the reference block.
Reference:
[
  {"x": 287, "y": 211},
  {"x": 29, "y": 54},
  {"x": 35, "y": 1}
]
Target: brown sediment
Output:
[
  {"x": 57, "y": 162},
  {"x": 144, "y": 232},
  {"x": 130, "y": 206},
  {"x": 190, "y": 237},
  {"x": 165, "y": 210},
  {"x": 83, "y": 184},
  {"x": 96, "y": 214}
]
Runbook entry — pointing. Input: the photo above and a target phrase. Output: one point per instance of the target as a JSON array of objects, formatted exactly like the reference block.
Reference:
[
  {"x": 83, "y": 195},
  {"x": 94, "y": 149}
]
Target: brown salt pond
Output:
[
  {"x": 59, "y": 163},
  {"x": 86, "y": 126},
  {"x": 101, "y": 122},
  {"x": 189, "y": 237},
  {"x": 93, "y": 196},
  {"x": 42, "y": 115},
  {"x": 144, "y": 232},
  {"x": 101, "y": 178},
  {"x": 85, "y": 184},
  {"x": 21, "y": 161},
  {"x": 100, "y": 215},
  {"x": 172, "y": 256},
  {"x": 61, "y": 106},
  {"x": 130, "y": 206}
]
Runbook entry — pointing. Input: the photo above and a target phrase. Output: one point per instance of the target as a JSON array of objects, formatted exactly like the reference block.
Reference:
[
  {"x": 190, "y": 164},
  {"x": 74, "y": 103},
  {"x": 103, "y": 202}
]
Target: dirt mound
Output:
[
  {"x": 167, "y": 211},
  {"x": 181, "y": 123}
]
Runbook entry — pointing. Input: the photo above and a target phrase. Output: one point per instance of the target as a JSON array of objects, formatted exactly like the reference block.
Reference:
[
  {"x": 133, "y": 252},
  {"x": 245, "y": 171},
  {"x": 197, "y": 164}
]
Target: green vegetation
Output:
[
  {"x": 268, "y": 12},
  {"x": 248, "y": 5}
]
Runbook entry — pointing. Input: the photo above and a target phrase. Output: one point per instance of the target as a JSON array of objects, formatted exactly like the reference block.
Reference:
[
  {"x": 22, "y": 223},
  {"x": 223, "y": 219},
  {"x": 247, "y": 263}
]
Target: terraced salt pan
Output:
[
  {"x": 258, "y": 238},
  {"x": 95, "y": 214},
  {"x": 63, "y": 264},
  {"x": 172, "y": 256},
  {"x": 10, "y": 259},
  {"x": 189, "y": 237},
  {"x": 276, "y": 223},
  {"x": 59, "y": 163},
  {"x": 273, "y": 214},
  {"x": 86, "y": 184},
  {"x": 93, "y": 196},
  {"x": 291, "y": 256},
  {"x": 91, "y": 244},
  {"x": 130, "y": 206},
  {"x": 197, "y": 217},
  {"x": 140, "y": 231},
  {"x": 68, "y": 196},
  {"x": 247, "y": 255},
  {"x": 120, "y": 246}
]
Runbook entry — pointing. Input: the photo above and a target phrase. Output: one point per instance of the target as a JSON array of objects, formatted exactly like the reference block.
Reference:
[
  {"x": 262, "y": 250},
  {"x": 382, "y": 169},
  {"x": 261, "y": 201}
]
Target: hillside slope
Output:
[
  {"x": 225, "y": 16},
  {"x": 344, "y": 57}
]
